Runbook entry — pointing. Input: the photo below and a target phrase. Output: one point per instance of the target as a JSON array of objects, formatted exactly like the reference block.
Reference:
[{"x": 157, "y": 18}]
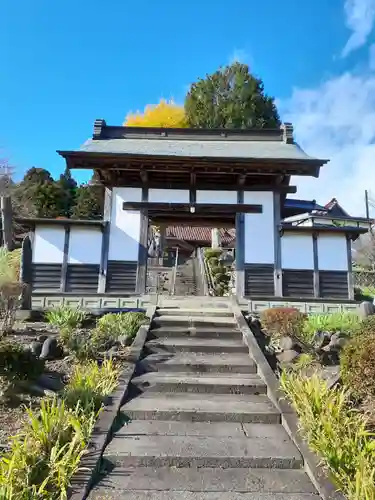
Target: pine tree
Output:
[
  {"x": 230, "y": 98},
  {"x": 88, "y": 203}
]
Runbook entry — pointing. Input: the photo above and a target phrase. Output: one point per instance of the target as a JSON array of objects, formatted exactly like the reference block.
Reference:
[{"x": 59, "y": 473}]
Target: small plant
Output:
[
  {"x": 10, "y": 300},
  {"x": 66, "y": 317},
  {"x": 210, "y": 253},
  {"x": 283, "y": 321},
  {"x": 77, "y": 342},
  {"x": 91, "y": 384},
  {"x": 347, "y": 322},
  {"x": 126, "y": 324},
  {"x": 17, "y": 363}
]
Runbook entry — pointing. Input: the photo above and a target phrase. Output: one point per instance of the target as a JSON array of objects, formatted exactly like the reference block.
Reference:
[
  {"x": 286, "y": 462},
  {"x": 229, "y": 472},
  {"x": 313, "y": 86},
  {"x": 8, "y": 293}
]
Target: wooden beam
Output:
[
  {"x": 64, "y": 267},
  {"x": 240, "y": 249},
  {"x": 278, "y": 279},
  {"x": 316, "y": 265},
  {"x": 198, "y": 208},
  {"x": 350, "y": 267}
]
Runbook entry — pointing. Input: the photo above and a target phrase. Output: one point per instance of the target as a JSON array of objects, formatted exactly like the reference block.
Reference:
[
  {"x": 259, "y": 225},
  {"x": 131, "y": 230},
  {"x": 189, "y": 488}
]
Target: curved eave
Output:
[{"x": 93, "y": 155}]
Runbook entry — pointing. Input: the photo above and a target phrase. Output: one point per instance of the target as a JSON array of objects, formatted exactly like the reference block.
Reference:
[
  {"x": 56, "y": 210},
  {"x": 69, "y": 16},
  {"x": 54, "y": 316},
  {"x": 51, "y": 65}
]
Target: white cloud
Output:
[
  {"x": 360, "y": 17},
  {"x": 336, "y": 120}
]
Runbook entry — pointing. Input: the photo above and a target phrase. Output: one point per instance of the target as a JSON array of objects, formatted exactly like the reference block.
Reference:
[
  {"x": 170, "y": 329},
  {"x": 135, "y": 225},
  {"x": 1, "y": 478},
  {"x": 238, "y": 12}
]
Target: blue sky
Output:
[{"x": 67, "y": 63}]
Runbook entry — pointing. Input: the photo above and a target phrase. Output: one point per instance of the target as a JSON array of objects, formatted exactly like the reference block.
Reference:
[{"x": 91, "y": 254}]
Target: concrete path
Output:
[{"x": 199, "y": 424}]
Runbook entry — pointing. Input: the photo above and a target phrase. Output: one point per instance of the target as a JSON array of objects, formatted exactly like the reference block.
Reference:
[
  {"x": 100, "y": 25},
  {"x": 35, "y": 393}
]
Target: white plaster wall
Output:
[
  {"x": 169, "y": 195},
  {"x": 85, "y": 245},
  {"x": 332, "y": 252},
  {"x": 125, "y": 225},
  {"x": 223, "y": 197},
  {"x": 259, "y": 229},
  {"x": 48, "y": 245},
  {"x": 297, "y": 251}
]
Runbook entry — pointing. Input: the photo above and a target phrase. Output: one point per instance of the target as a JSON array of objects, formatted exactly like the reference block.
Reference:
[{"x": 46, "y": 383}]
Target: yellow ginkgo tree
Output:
[{"x": 166, "y": 114}]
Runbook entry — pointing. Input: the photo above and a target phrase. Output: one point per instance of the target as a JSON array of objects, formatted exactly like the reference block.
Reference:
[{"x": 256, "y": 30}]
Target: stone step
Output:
[
  {"x": 165, "y": 479},
  {"x": 194, "y": 344},
  {"x": 193, "y": 451},
  {"x": 223, "y": 332},
  {"x": 204, "y": 429},
  {"x": 188, "y": 407},
  {"x": 201, "y": 383},
  {"x": 105, "y": 494},
  {"x": 199, "y": 363},
  {"x": 194, "y": 321},
  {"x": 193, "y": 312}
]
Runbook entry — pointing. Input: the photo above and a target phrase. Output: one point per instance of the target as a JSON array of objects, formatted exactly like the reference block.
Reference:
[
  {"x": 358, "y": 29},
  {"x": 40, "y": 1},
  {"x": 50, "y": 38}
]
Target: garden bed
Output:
[
  {"x": 326, "y": 369},
  {"x": 55, "y": 378}
]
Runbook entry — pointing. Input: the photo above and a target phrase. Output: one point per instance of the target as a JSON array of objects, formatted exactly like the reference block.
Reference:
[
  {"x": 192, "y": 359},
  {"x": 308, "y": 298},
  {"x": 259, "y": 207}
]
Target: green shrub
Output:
[
  {"x": 212, "y": 252},
  {"x": 343, "y": 321},
  {"x": 283, "y": 321},
  {"x": 121, "y": 324},
  {"x": 366, "y": 326},
  {"x": 222, "y": 278},
  {"x": 333, "y": 430},
  {"x": 218, "y": 270},
  {"x": 66, "y": 317},
  {"x": 358, "y": 366},
  {"x": 77, "y": 342},
  {"x": 18, "y": 363},
  {"x": 213, "y": 261}
]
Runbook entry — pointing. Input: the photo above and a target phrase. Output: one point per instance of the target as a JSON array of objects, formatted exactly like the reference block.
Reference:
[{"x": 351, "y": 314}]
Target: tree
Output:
[
  {"x": 68, "y": 188},
  {"x": 230, "y": 98},
  {"x": 165, "y": 114},
  {"x": 88, "y": 203},
  {"x": 38, "y": 195}
]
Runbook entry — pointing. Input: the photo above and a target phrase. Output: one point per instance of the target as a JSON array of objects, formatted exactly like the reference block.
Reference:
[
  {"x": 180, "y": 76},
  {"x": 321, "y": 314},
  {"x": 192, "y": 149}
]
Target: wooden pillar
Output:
[
  {"x": 316, "y": 265},
  {"x": 26, "y": 273},
  {"x": 64, "y": 266},
  {"x": 142, "y": 247},
  {"x": 240, "y": 249},
  {"x": 278, "y": 280},
  {"x": 215, "y": 238},
  {"x": 350, "y": 267},
  {"x": 102, "y": 282}
]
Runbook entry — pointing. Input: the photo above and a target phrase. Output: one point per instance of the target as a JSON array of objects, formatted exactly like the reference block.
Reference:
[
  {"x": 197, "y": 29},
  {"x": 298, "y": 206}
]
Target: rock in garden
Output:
[
  {"x": 41, "y": 391},
  {"x": 123, "y": 340},
  {"x": 337, "y": 343},
  {"x": 321, "y": 339},
  {"x": 287, "y": 343},
  {"x": 36, "y": 347},
  {"x": 366, "y": 309},
  {"x": 112, "y": 352},
  {"x": 51, "y": 382},
  {"x": 42, "y": 338},
  {"x": 287, "y": 356},
  {"x": 51, "y": 349}
]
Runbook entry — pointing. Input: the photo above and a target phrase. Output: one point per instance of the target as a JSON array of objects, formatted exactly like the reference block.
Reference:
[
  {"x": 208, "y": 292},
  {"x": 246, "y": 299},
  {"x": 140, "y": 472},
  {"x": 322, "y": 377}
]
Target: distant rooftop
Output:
[{"x": 257, "y": 144}]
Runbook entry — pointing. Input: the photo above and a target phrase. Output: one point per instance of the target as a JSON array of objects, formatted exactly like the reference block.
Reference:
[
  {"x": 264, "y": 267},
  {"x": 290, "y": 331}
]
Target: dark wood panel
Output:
[
  {"x": 46, "y": 277},
  {"x": 82, "y": 278},
  {"x": 298, "y": 283},
  {"x": 333, "y": 284},
  {"x": 259, "y": 280},
  {"x": 121, "y": 277}
]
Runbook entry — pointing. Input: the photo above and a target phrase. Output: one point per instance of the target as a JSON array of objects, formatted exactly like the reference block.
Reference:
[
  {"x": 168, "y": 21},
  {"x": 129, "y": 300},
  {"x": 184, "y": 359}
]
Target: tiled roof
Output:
[
  {"x": 197, "y": 149},
  {"x": 192, "y": 233}
]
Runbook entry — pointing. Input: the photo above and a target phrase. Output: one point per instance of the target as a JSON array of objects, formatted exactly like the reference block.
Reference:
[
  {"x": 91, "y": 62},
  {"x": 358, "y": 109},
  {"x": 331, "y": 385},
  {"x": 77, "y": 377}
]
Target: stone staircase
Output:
[{"x": 199, "y": 424}]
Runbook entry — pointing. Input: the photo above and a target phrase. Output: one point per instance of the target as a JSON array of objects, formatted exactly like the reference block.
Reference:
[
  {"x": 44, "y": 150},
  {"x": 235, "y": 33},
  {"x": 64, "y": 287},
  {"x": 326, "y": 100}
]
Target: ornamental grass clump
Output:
[
  {"x": 335, "y": 431},
  {"x": 65, "y": 317},
  {"x": 347, "y": 322},
  {"x": 44, "y": 456}
]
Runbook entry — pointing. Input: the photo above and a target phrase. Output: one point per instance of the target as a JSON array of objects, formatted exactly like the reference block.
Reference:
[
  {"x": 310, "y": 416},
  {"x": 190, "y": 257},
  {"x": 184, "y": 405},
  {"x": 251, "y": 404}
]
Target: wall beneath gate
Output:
[{"x": 259, "y": 245}]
